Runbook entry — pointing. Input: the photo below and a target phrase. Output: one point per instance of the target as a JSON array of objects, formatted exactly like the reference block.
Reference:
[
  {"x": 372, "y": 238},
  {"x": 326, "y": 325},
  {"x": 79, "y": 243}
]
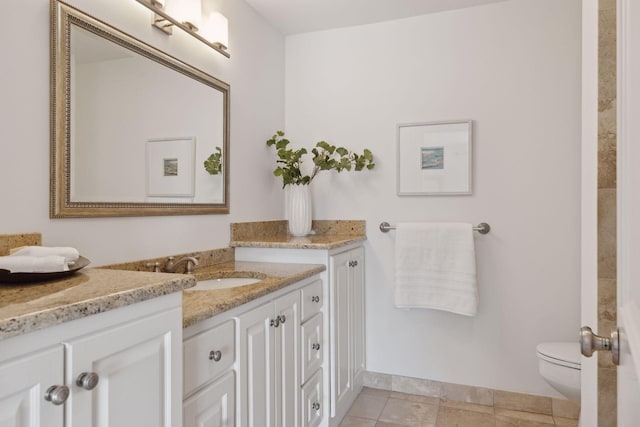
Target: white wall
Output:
[
  {"x": 512, "y": 67},
  {"x": 255, "y": 73}
]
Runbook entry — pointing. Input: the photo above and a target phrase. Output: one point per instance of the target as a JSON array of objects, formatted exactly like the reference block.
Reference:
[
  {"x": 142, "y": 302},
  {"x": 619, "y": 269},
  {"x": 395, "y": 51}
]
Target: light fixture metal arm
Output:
[{"x": 153, "y": 6}]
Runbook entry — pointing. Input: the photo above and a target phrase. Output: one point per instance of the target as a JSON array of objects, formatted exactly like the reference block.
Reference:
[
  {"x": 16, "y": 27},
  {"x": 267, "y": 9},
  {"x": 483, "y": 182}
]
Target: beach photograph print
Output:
[
  {"x": 432, "y": 157},
  {"x": 170, "y": 167}
]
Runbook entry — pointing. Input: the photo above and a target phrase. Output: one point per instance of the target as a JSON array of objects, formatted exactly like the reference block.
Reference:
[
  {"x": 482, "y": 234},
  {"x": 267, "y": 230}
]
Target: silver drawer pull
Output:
[
  {"x": 215, "y": 355},
  {"x": 316, "y": 406},
  {"x": 57, "y": 394},
  {"x": 315, "y": 346},
  {"x": 315, "y": 298},
  {"x": 87, "y": 380}
]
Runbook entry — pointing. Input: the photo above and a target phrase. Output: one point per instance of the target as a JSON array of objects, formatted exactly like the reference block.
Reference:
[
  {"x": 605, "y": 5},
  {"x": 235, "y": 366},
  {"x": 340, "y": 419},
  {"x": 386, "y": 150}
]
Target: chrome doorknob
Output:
[
  {"x": 590, "y": 342},
  {"x": 57, "y": 394},
  {"x": 87, "y": 380}
]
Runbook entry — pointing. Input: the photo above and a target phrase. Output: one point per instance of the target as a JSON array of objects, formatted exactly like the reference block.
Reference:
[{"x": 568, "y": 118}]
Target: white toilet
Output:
[{"x": 559, "y": 365}]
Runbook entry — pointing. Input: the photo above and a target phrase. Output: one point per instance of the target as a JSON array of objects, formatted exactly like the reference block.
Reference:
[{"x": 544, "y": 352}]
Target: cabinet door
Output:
[
  {"x": 139, "y": 369},
  {"x": 24, "y": 383},
  {"x": 213, "y": 406},
  {"x": 312, "y": 346},
  {"x": 256, "y": 367},
  {"x": 340, "y": 326},
  {"x": 312, "y": 407},
  {"x": 358, "y": 317},
  {"x": 287, "y": 360}
]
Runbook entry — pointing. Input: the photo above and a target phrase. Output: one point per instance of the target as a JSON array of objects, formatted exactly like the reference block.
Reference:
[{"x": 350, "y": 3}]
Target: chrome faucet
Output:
[{"x": 172, "y": 265}]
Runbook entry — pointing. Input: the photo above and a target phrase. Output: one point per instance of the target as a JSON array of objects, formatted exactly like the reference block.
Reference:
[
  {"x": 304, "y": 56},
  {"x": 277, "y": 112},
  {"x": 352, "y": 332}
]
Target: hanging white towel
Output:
[{"x": 436, "y": 267}]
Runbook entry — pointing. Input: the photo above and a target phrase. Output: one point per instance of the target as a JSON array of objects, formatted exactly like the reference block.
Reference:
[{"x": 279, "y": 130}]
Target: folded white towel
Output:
[
  {"x": 69, "y": 254},
  {"x": 33, "y": 264},
  {"x": 436, "y": 267}
]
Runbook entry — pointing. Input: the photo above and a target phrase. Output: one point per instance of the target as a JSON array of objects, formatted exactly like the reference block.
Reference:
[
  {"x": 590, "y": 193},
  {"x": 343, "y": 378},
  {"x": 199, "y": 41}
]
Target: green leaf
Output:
[
  {"x": 213, "y": 164},
  {"x": 325, "y": 157}
]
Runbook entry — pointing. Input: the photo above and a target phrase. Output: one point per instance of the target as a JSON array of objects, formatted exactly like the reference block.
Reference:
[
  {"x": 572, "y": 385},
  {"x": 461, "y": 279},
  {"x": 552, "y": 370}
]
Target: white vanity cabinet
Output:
[
  {"x": 269, "y": 363},
  {"x": 120, "y": 368},
  {"x": 343, "y": 325}
]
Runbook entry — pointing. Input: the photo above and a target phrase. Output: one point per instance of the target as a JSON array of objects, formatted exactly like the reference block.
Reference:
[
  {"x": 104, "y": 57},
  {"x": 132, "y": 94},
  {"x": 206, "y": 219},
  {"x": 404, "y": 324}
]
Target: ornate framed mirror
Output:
[{"x": 131, "y": 126}]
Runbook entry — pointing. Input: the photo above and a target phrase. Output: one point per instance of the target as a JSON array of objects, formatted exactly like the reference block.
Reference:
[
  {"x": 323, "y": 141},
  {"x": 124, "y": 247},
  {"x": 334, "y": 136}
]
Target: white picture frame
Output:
[
  {"x": 170, "y": 164},
  {"x": 435, "y": 158}
]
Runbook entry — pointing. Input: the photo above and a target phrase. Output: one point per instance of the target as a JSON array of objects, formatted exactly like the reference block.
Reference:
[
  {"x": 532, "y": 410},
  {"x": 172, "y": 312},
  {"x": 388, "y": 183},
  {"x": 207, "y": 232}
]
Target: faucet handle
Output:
[{"x": 155, "y": 265}]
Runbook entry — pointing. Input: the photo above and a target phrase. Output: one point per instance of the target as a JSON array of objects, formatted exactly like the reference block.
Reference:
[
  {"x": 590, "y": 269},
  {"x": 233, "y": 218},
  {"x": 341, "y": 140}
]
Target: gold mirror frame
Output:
[{"x": 61, "y": 206}]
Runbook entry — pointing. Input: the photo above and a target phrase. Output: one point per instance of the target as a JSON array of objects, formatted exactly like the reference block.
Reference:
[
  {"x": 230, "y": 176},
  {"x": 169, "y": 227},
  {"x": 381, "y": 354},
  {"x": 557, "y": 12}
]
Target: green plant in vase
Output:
[{"x": 325, "y": 157}]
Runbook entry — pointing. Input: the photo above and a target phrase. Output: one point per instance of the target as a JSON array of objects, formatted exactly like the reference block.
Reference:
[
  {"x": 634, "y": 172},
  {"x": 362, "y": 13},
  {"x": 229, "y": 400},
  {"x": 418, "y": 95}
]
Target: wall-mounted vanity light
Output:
[{"x": 213, "y": 30}]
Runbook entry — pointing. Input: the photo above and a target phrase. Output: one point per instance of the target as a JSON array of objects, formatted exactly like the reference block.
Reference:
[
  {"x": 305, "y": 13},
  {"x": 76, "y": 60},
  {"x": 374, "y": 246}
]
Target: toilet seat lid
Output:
[{"x": 560, "y": 353}]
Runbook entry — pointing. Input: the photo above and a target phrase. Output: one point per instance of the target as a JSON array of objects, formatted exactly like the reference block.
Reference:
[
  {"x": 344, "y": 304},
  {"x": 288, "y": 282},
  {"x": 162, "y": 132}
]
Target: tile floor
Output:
[{"x": 382, "y": 408}]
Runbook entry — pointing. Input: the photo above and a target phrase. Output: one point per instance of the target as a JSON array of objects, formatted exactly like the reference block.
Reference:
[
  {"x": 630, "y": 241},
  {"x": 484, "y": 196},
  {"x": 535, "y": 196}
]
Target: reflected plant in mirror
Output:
[
  {"x": 213, "y": 164},
  {"x": 325, "y": 157}
]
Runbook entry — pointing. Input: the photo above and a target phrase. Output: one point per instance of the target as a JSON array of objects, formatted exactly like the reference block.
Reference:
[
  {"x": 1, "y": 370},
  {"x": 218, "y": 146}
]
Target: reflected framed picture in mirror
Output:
[
  {"x": 435, "y": 158},
  {"x": 170, "y": 167}
]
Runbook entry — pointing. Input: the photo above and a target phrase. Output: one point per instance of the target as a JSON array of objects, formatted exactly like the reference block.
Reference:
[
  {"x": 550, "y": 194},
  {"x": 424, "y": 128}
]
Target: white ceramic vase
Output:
[{"x": 298, "y": 209}]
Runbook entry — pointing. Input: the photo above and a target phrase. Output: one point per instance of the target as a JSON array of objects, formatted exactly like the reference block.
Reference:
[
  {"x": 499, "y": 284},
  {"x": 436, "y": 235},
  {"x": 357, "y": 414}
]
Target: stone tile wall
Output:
[{"x": 607, "y": 396}]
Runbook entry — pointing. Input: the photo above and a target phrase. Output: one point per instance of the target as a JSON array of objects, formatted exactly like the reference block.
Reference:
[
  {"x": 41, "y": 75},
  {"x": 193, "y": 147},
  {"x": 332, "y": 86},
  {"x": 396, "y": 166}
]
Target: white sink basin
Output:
[{"x": 223, "y": 283}]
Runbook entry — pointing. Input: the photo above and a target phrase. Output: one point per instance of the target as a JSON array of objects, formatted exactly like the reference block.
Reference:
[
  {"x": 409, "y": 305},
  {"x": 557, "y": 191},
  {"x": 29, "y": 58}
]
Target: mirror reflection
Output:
[{"x": 137, "y": 129}]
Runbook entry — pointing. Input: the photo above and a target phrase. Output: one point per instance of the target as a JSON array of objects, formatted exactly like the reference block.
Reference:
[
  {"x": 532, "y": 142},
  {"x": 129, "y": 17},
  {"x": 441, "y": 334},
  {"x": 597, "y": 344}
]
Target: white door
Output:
[
  {"x": 589, "y": 219},
  {"x": 358, "y": 317},
  {"x": 133, "y": 381},
  {"x": 287, "y": 360},
  {"x": 629, "y": 211},
  {"x": 256, "y": 367},
  {"x": 340, "y": 325},
  {"x": 24, "y": 384}
]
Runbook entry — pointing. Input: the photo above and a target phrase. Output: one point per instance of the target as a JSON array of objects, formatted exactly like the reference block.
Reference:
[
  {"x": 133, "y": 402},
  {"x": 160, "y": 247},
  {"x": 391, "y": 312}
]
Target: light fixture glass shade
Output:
[
  {"x": 215, "y": 29},
  {"x": 185, "y": 11}
]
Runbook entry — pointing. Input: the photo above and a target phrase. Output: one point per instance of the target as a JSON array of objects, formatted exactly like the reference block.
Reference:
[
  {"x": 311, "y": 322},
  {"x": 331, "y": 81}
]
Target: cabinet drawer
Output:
[
  {"x": 312, "y": 407},
  {"x": 208, "y": 354},
  {"x": 214, "y": 405},
  {"x": 311, "y": 299},
  {"x": 312, "y": 346}
]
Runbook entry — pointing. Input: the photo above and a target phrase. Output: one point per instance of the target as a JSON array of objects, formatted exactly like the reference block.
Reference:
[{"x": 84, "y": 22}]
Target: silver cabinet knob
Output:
[
  {"x": 87, "y": 380},
  {"x": 590, "y": 343},
  {"x": 315, "y": 298},
  {"x": 57, "y": 394},
  {"x": 315, "y": 346},
  {"x": 215, "y": 355},
  {"x": 282, "y": 318},
  {"x": 275, "y": 322},
  {"x": 316, "y": 406}
]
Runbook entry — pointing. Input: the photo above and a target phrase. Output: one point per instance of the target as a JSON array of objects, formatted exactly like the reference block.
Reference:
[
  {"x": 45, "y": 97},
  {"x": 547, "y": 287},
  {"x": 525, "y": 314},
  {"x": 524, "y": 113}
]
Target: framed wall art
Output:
[
  {"x": 435, "y": 158},
  {"x": 171, "y": 167}
]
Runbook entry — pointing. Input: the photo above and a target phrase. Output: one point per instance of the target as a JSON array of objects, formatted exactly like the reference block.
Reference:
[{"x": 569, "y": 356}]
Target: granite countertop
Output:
[
  {"x": 329, "y": 234},
  {"x": 30, "y": 307},
  {"x": 201, "y": 305}
]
